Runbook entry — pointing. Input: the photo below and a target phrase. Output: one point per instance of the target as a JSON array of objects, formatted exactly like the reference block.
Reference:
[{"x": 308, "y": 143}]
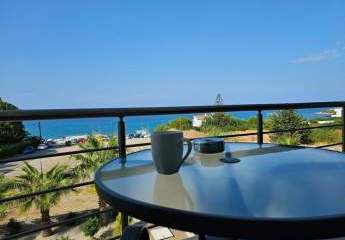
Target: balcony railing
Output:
[{"x": 122, "y": 113}]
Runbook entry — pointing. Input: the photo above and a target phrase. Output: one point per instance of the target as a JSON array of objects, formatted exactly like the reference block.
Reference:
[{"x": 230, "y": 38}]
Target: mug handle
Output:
[{"x": 189, "y": 142}]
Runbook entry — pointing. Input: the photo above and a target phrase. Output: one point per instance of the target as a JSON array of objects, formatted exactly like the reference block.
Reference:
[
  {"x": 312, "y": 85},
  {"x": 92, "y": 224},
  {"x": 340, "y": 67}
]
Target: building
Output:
[
  {"x": 198, "y": 119},
  {"x": 337, "y": 112}
]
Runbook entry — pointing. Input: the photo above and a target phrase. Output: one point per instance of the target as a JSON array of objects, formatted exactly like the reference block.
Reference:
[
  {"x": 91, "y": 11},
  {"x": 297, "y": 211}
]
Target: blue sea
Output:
[{"x": 71, "y": 127}]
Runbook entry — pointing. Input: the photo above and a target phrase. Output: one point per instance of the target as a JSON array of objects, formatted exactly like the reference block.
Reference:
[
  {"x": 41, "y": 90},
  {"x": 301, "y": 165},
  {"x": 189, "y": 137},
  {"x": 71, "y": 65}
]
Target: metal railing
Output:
[{"x": 121, "y": 113}]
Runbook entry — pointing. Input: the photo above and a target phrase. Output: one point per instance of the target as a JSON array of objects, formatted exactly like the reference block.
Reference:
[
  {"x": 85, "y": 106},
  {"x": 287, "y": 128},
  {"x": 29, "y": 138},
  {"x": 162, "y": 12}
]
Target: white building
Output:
[
  {"x": 338, "y": 112},
  {"x": 198, "y": 119}
]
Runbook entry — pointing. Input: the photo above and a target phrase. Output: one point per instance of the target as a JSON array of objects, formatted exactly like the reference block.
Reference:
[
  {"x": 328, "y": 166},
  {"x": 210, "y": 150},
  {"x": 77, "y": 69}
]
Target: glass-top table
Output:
[{"x": 274, "y": 192}]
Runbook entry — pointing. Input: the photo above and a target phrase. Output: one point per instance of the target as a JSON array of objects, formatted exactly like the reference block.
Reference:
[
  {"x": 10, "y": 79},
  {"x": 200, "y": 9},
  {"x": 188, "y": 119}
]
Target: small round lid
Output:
[{"x": 209, "y": 145}]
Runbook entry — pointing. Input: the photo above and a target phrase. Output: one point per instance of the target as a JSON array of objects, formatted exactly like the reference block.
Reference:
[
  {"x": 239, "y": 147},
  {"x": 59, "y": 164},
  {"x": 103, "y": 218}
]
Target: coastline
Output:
[{"x": 108, "y": 126}]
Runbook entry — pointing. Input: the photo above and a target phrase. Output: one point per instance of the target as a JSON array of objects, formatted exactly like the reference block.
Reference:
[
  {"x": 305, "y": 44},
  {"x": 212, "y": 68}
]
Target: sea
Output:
[{"x": 74, "y": 127}]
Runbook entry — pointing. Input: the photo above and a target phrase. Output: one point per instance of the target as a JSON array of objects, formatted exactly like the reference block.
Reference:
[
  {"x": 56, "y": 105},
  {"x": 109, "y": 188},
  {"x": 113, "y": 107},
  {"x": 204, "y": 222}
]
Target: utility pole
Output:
[{"x": 40, "y": 130}]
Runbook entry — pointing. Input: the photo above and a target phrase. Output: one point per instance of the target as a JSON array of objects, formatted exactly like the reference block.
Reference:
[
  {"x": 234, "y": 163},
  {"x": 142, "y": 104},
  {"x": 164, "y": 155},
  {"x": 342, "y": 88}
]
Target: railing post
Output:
[
  {"x": 259, "y": 128},
  {"x": 121, "y": 137},
  {"x": 343, "y": 129}
]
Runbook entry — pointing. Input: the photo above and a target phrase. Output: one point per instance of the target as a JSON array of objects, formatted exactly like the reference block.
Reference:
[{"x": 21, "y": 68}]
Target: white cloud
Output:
[{"x": 321, "y": 56}]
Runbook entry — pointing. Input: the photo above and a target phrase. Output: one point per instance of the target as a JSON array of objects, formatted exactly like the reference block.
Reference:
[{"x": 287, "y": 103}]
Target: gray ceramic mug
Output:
[{"x": 167, "y": 151}]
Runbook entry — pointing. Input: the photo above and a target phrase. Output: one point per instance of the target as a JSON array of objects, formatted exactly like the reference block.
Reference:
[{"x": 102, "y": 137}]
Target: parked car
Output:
[
  {"x": 81, "y": 140},
  {"x": 42, "y": 146},
  {"x": 51, "y": 143},
  {"x": 28, "y": 150}
]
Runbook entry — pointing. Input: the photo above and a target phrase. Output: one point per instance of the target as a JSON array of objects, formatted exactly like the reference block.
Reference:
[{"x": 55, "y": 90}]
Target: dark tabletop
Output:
[{"x": 273, "y": 192}]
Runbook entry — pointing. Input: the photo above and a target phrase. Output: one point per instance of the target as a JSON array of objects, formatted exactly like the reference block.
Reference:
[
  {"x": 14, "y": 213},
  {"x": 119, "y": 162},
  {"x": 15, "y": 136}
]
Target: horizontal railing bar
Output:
[
  {"x": 330, "y": 145},
  {"x": 64, "y": 222},
  {"x": 44, "y": 114},
  {"x": 303, "y": 129},
  {"x": 56, "y": 154},
  {"x": 148, "y": 143},
  {"x": 92, "y": 182},
  {"x": 45, "y": 191},
  {"x": 138, "y": 145}
]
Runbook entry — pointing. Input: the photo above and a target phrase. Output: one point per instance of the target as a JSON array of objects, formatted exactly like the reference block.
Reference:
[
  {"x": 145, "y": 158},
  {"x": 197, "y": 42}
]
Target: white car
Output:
[{"x": 42, "y": 146}]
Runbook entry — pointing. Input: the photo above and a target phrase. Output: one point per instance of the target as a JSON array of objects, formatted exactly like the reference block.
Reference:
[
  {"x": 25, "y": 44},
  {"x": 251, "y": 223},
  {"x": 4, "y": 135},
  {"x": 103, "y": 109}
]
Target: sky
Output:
[{"x": 82, "y": 54}]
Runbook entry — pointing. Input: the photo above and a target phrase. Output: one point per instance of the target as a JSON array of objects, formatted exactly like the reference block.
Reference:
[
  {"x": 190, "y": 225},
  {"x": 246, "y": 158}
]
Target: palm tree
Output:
[
  {"x": 33, "y": 180},
  {"x": 88, "y": 163},
  {"x": 3, "y": 191}
]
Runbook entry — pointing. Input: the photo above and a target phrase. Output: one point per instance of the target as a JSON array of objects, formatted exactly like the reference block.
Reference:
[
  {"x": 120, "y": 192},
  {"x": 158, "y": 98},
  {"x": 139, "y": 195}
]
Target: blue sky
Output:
[{"x": 69, "y": 54}]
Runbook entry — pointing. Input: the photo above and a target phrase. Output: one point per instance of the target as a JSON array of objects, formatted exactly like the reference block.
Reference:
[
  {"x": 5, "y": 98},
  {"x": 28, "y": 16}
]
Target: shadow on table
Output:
[{"x": 262, "y": 151}]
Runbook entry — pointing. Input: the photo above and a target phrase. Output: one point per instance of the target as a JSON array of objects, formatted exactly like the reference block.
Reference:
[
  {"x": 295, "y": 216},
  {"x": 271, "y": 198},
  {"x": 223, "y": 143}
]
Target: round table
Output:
[{"x": 274, "y": 192}]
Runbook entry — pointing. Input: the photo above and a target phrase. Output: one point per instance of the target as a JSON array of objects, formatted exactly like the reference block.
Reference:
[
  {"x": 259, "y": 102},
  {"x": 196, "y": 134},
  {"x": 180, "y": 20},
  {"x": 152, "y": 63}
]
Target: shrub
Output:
[
  {"x": 162, "y": 128},
  {"x": 90, "y": 226},
  {"x": 292, "y": 140},
  {"x": 68, "y": 143},
  {"x": 326, "y": 135},
  {"x": 251, "y": 123},
  {"x": 13, "y": 226},
  {"x": 220, "y": 123},
  {"x": 181, "y": 123}
]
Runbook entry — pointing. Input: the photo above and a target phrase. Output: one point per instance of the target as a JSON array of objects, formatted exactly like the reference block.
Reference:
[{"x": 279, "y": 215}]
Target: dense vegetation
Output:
[
  {"x": 10, "y": 132},
  {"x": 218, "y": 123},
  {"x": 179, "y": 124},
  {"x": 13, "y": 137}
]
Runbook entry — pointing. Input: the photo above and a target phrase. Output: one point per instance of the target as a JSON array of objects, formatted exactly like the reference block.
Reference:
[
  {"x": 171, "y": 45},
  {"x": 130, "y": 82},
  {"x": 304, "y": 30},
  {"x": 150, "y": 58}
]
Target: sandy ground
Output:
[{"x": 85, "y": 198}]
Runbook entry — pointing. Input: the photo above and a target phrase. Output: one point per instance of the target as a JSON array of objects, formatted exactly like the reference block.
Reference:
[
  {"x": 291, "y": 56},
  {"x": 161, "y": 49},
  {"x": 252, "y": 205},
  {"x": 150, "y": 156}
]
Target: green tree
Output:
[
  {"x": 10, "y": 132},
  {"x": 288, "y": 119},
  {"x": 88, "y": 163},
  {"x": 33, "y": 180}
]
